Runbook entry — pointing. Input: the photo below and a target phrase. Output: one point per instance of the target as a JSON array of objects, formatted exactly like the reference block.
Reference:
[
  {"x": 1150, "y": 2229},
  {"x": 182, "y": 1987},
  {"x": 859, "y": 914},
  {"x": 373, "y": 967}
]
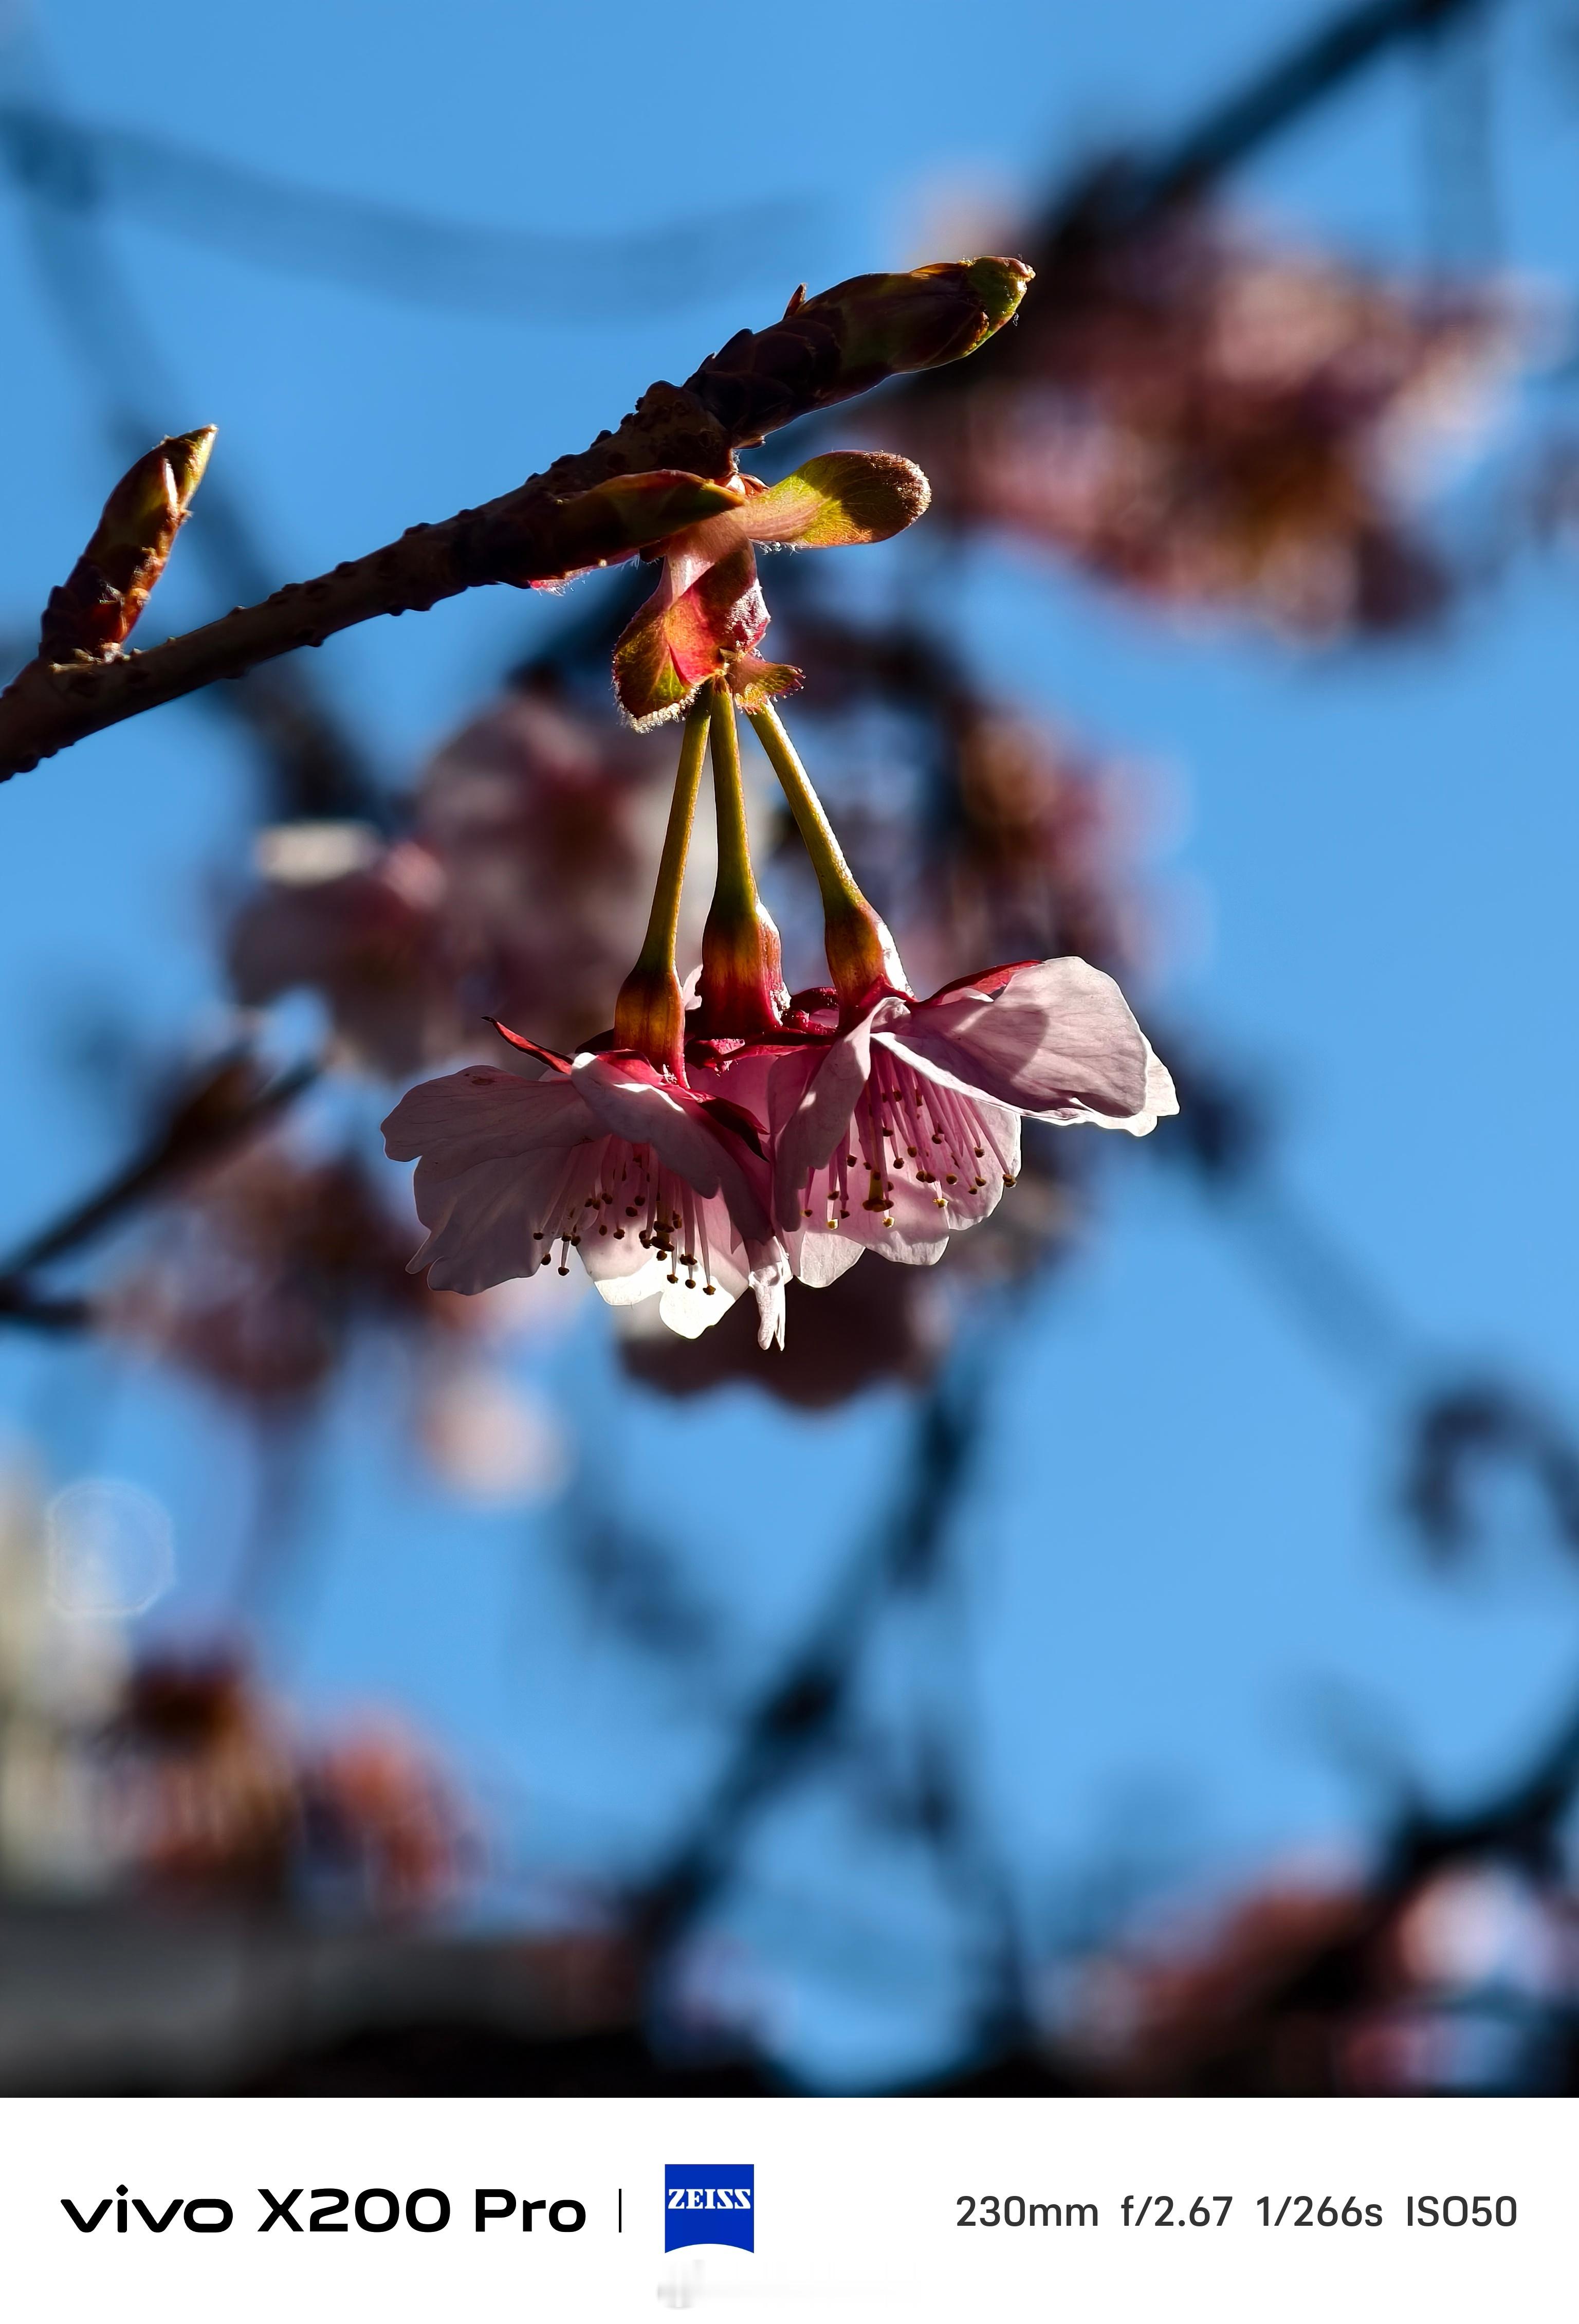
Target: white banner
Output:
[{"x": 140, "y": 2210}]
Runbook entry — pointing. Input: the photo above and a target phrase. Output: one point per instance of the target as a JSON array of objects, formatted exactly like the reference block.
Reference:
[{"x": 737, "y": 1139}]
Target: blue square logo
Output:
[{"x": 709, "y": 2203}]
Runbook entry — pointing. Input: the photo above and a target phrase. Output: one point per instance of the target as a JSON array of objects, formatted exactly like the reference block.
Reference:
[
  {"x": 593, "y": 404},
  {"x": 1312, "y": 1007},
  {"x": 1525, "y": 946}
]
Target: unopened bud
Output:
[
  {"x": 649, "y": 1017},
  {"x": 862, "y": 959},
  {"x": 847, "y": 339},
  {"x": 742, "y": 990},
  {"x": 1000, "y": 285},
  {"x": 97, "y": 610},
  {"x": 934, "y": 315}
]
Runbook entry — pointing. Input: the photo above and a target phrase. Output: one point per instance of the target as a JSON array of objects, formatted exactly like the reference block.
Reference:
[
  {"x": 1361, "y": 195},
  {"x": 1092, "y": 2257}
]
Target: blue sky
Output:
[{"x": 1184, "y": 1533}]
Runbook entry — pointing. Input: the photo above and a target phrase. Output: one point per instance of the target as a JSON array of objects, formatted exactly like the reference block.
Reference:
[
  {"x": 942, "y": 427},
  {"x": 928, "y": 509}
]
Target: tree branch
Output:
[
  {"x": 1317, "y": 66},
  {"x": 823, "y": 350},
  {"x": 222, "y": 1106}
]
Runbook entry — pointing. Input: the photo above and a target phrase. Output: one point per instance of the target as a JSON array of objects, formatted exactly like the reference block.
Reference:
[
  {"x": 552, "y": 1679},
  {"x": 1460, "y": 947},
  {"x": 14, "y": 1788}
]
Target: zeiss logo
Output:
[{"x": 709, "y": 2203}]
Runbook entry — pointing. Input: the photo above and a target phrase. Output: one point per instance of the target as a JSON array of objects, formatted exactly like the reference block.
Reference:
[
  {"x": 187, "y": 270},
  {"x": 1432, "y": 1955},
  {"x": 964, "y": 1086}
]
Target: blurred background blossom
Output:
[{"x": 1223, "y": 424}]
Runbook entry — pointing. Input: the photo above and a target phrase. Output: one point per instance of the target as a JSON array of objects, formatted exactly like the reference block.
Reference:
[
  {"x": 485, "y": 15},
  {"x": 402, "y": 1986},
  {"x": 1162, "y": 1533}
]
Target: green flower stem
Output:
[
  {"x": 742, "y": 990},
  {"x": 735, "y": 893},
  {"x": 860, "y": 950},
  {"x": 649, "y": 1015},
  {"x": 835, "y": 879},
  {"x": 657, "y": 950}
]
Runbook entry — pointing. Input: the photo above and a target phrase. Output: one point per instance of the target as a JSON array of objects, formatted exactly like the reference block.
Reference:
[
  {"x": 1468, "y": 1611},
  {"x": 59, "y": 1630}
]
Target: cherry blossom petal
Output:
[
  {"x": 762, "y": 1269},
  {"x": 1162, "y": 1097},
  {"x": 811, "y": 1094},
  {"x": 908, "y": 1236},
  {"x": 818, "y": 1259},
  {"x": 1057, "y": 1040},
  {"x": 689, "y": 1307},
  {"x": 629, "y": 1097},
  {"x": 611, "y": 1246},
  {"x": 770, "y": 1271},
  {"x": 482, "y": 1222},
  {"x": 481, "y": 1114},
  {"x": 887, "y": 1160}
]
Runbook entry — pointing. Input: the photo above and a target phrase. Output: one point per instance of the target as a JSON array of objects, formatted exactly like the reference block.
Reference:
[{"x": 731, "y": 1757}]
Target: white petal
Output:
[
  {"x": 770, "y": 1272},
  {"x": 480, "y": 1223},
  {"x": 812, "y": 1094},
  {"x": 1058, "y": 1041},
  {"x": 481, "y": 1114},
  {"x": 630, "y": 1290},
  {"x": 1162, "y": 1098},
  {"x": 691, "y": 1312},
  {"x": 819, "y": 1259},
  {"x": 610, "y": 1258},
  {"x": 908, "y": 1250}
]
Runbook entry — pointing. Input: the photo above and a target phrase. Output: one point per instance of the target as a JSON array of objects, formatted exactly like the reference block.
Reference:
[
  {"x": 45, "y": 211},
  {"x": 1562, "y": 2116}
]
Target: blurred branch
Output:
[
  {"x": 823, "y": 350},
  {"x": 1273, "y": 100},
  {"x": 1518, "y": 1825},
  {"x": 1300, "y": 1983},
  {"x": 1521, "y": 1822},
  {"x": 1454, "y": 1429},
  {"x": 585, "y": 279},
  {"x": 798, "y": 1717},
  {"x": 220, "y": 1108},
  {"x": 1222, "y": 1138},
  {"x": 1464, "y": 1428},
  {"x": 631, "y": 1582},
  {"x": 1124, "y": 192},
  {"x": 19, "y": 1304}
]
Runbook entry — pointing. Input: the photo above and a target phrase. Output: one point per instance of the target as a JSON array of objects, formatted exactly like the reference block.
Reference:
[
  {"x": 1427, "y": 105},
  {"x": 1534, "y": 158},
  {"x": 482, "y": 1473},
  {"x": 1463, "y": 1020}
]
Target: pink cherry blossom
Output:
[
  {"x": 659, "y": 1190},
  {"x": 903, "y": 1128}
]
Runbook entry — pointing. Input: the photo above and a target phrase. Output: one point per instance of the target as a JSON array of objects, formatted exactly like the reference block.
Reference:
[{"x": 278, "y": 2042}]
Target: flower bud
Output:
[
  {"x": 97, "y": 609},
  {"x": 1000, "y": 285},
  {"x": 649, "y": 1017},
  {"x": 862, "y": 957},
  {"x": 742, "y": 990},
  {"x": 849, "y": 338}
]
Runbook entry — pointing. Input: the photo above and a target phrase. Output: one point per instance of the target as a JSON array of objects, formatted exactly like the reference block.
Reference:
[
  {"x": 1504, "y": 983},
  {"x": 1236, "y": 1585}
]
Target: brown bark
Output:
[{"x": 826, "y": 348}]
